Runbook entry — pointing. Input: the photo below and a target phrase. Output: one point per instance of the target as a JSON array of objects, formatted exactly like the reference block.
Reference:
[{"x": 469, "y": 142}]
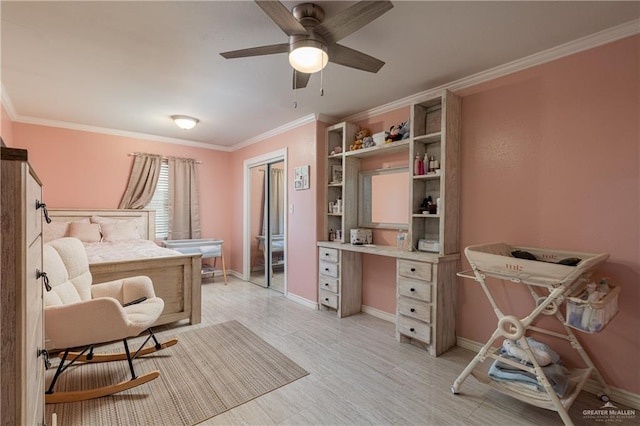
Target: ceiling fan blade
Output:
[
  {"x": 351, "y": 20},
  {"x": 282, "y": 17},
  {"x": 257, "y": 51},
  {"x": 300, "y": 79},
  {"x": 342, "y": 55}
]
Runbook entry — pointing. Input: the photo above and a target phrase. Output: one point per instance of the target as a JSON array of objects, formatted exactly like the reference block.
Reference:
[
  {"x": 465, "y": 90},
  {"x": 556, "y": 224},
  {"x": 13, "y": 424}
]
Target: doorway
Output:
[{"x": 265, "y": 214}]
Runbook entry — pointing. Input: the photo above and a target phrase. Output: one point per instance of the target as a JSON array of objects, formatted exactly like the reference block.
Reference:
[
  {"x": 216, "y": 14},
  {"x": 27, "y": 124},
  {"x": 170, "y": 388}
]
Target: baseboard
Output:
[
  {"x": 378, "y": 313},
  {"x": 616, "y": 395},
  {"x": 301, "y": 300},
  {"x": 233, "y": 273}
]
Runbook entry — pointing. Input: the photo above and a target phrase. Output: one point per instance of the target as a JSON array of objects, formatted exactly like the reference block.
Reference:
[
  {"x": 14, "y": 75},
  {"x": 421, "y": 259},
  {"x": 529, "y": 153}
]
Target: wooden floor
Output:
[{"x": 359, "y": 373}]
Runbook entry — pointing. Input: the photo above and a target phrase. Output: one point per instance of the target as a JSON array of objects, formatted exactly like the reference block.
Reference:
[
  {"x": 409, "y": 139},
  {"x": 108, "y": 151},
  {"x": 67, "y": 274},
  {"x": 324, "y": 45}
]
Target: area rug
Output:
[{"x": 209, "y": 371}]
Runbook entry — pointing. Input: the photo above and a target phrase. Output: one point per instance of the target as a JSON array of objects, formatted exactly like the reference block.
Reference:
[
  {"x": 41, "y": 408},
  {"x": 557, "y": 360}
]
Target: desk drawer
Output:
[
  {"x": 414, "y": 308},
  {"x": 328, "y": 268},
  {"x": 329, "y": 299},
  {"x": 414, "y": 288},
  {"x": 328, "y": 283},
  {"x": 411, "y": 269},
  {"x": 415, "y": 329},
  {"x": 328, "y": 254}
]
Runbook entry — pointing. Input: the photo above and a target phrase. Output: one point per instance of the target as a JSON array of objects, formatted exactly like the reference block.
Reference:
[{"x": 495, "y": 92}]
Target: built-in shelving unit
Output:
[
  {"x": 435, "y": 129},
  {"x": 339, "y": 219},
  {"x": 425, "y": 281}
]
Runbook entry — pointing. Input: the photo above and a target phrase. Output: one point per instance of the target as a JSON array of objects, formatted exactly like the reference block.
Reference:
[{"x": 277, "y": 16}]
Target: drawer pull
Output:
[
  {"x": 326, "y": 269},
  {"x": 413, "y": 310},
  {"x": 45, "y": 279},
  {"x": 43, "y": 206},
  {"x": 413, "y": 269},
  {"x": 413, "y": 330},
  {"x": 326, "y": 254},
  {"x": 326, "y": 299},
  {"x": 326, "y": 284},
  {"x": 412, "y": 289}
]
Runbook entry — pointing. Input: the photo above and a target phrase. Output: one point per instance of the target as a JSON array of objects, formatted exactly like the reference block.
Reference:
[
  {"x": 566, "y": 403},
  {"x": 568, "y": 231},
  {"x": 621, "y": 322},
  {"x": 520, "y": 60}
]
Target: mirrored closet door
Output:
[{"x": 267, "y": 225}]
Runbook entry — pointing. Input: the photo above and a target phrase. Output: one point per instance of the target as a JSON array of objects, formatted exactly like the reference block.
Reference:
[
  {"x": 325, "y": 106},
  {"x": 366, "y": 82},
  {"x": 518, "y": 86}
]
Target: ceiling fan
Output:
[{"x": 314, "y": 42}]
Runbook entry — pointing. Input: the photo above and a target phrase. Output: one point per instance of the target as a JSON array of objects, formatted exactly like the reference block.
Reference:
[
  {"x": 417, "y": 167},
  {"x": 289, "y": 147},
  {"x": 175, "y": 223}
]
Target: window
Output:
[{"x": 160, "y": 203}]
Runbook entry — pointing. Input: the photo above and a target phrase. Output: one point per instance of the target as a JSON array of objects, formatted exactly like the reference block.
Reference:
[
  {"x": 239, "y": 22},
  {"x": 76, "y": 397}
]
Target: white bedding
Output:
[{"x": 125, "y": 250}]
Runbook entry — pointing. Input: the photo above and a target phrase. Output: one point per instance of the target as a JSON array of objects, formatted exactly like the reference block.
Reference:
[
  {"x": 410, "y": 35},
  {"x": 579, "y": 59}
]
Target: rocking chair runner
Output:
[{"x": 79, "y": 314}]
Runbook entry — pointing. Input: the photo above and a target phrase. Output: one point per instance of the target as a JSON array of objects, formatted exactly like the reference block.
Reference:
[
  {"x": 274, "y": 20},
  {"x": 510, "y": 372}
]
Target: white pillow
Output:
[
  {"x": 85, "y": 232},
  {"x": 124, "y": 230},
  {"x": 138, "y": 223},
  {"x": 58, "y": 229},
  {"x": 54, "y": 230}
]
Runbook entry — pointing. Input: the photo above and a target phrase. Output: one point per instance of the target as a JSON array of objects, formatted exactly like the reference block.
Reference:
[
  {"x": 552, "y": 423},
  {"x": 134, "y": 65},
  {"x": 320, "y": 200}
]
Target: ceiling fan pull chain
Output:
[
  {"x": 322, "y": 78},
  {"x": 295, "y": 93}
]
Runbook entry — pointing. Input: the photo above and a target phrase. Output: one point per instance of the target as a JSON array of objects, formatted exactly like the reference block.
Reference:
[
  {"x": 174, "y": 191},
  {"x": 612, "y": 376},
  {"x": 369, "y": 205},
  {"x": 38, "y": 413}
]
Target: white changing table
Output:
[
  {"x": 210, "y": 248},
  {"x": 555, "y": 282}
]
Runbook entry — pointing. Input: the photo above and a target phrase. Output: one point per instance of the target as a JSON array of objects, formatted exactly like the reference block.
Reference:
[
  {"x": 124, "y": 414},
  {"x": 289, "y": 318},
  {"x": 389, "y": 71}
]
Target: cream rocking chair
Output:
[{"x": 81, "y": 315}]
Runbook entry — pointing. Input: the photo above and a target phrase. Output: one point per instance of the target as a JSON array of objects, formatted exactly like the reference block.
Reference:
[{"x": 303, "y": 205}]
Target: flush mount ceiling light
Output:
[{"x": 184, "y": 121}]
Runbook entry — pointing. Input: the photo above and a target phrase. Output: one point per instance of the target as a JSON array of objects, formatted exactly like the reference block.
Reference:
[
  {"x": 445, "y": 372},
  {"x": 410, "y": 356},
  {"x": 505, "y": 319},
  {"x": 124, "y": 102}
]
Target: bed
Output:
[{"x": 176, "y": 276}]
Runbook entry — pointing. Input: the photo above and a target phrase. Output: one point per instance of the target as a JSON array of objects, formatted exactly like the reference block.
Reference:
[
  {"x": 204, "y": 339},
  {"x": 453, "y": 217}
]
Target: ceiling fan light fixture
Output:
[
  {"x": 308, "y": 56},
  {"x": 184, "y": 121}
]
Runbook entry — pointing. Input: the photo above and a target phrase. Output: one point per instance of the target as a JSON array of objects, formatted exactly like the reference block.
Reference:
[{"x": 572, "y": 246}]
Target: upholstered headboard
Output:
[{"x": 148, "y": 218}]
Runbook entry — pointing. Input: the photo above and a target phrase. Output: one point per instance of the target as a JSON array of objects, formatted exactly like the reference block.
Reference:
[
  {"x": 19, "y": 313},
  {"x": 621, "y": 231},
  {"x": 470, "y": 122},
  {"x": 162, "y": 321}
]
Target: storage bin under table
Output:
[{"x": 550, "y": 284}]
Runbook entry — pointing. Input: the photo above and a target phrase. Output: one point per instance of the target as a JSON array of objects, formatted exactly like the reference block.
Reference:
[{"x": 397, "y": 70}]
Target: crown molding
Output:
[
  {"x": 600, "y": 38},
  {"x": 115, "y": 132},
  {"x": 327, "y": 119},
  {"x": 311, "y": 118},
  {"x": 7, "y": 103}
]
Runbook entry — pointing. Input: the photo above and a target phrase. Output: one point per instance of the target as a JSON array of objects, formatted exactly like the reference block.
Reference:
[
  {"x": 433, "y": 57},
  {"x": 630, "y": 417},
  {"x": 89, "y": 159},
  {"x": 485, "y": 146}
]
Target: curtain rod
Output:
[{"x": 135, "y": 154}]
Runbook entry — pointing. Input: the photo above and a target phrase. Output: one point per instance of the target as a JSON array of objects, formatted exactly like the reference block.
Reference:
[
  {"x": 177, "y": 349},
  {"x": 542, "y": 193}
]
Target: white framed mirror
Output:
[{"x": 383, "y": 198}]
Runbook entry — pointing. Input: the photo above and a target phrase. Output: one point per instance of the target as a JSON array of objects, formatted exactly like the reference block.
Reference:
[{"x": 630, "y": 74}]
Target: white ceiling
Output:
[{"x": 128, "y": 66}]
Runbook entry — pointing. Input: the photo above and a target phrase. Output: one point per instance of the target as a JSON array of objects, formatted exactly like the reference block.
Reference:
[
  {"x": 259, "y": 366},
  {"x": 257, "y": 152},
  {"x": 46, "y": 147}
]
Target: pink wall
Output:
[
  {"x": 91, "y": 170},
  {"x": 301, "y": 226},
  {"x": 550, "y": 159}
]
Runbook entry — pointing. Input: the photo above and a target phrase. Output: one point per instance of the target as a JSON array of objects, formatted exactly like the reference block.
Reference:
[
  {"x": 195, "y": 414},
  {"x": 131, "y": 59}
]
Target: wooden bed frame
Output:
[{"x": 175, "y": 279}]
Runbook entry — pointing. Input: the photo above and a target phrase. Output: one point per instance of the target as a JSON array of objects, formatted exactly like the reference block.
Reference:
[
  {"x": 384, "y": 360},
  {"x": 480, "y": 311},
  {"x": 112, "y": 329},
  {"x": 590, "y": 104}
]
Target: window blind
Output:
[{"x": 160, "y": 203}]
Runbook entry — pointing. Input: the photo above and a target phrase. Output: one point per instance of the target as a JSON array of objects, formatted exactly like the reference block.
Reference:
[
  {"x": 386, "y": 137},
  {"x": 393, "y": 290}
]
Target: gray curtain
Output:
[
  {"x": 277, "y": 201},
  {"x": 142, "y": 181},
  {"x": 277, "y": 204},
  {"x": 184, "y": 204}
]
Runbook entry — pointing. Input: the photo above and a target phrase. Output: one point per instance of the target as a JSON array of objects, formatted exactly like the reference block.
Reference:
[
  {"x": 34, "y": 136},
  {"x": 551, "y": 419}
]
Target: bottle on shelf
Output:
[
  {"x": 427, "y": 169},
  {"x": 332, "y": 235},
  {"x": 401, "y": 240},
  {"x": 418, "y": 166}
]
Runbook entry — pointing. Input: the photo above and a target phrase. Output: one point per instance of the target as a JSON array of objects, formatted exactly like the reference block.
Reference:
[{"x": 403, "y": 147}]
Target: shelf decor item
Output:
[{"x": 336, "y": 173}]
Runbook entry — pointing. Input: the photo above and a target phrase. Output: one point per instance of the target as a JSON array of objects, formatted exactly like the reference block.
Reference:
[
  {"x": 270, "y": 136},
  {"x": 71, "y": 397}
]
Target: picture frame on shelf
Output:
[{"x": 336, "y": 173}]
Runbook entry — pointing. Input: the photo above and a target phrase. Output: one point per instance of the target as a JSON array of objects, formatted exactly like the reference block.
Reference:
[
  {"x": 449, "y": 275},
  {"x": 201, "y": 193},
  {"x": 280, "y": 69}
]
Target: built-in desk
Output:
[{"x": 425, "y": 290}]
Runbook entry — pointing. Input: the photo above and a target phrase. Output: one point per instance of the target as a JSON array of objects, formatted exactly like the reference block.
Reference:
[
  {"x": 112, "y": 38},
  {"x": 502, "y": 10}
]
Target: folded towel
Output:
[
  {"x": 535, "y": 345},
  {"x": 555, "y": 374}
]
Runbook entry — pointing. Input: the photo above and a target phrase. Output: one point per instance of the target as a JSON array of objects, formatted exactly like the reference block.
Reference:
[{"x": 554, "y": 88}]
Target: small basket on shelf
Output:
[{"x": 591, "y": 316}]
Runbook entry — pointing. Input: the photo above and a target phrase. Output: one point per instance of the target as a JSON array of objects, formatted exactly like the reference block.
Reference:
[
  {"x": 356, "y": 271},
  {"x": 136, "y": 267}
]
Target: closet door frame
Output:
[{"x": 264, "y": 159}]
